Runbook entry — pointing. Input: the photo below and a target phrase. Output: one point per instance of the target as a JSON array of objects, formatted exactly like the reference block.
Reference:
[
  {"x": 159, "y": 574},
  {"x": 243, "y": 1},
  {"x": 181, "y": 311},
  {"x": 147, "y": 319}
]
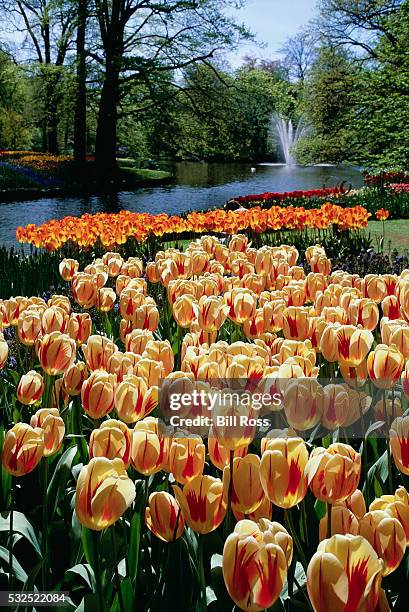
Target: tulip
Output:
[
  {"x": 232, "y": 423},
  {"x": 241, "y": 304},
  {"x": 344, "y": 574},
  {"x": 29, "y": 327},
  {"x": 85, "y": 290},
  {"x": 160, "y": 350},
  {"x": 296, "y": 322},
  {"x": 343, "y": 521},
  {"x": 137, "y": 339},
  {"x": 74, "y": 377},
  {"x": 134, "y": 400},
  {"x": 399, "y": 336},
  {"x": 54, "y": 319},
  {"x": 247, "y": 492},
  {"x": 4, "y": 351},
  {"x": 97, "y": 394},
  {"x": 49, "y": 420},
  {"x": 186, "y": 458},
  {"x": 79, "y": 327},
  {"x": 387, "y": 408},
  {"x": 254, "y": 567},
  {"x": 363, "y": 312},
  {"x": 30, "y": 388},
  {"x": 385, "y": 365},
  {"x": 390, "y": 307},
  {"x": 212, "y": 313},
  {"x": 282, "y": 471},
  {"x": 150, "y": 447},
  {"x": 163, "y": 516},
  {"x": 399, "y": 441},
  {"x": 203, "y": 502},
  {"x": 185, "y": 310},
  {"x": 106, "y": 299},
  {"x": 345, "y": 343},
  {"x": 111, "y": 440},
  {"x": 354, "y": 377},
  {"x": 333, "y": 473},
  {"x": 23, "y": 448},
  {"x": 146, "y": 317},
  {"x": 335, "y": 406},
  {"x": 303, "y": 402},
  {"x": 264, "y": 510},
  {"x": 321, "y": 264},
  {"x": 68, "y": 268},
  {"x": 219, "y": 455},
  {"x": 387, "y": 537},
  {"x": 396, "y": 505},
  {"x": 56, "y": 352},
  {"x": 104, "y": 493},
  {"x": 374, "y": 287},
  {"x": 97, "y": 351}
]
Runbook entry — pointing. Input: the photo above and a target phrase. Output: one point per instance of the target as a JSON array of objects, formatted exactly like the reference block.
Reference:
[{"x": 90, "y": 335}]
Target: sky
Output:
[{"x": 273, "y": 21}]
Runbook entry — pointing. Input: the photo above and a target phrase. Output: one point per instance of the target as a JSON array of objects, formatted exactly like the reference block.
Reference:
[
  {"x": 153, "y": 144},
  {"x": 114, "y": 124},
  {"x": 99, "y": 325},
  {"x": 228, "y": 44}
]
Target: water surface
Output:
[{"x": 196, "y": 186}]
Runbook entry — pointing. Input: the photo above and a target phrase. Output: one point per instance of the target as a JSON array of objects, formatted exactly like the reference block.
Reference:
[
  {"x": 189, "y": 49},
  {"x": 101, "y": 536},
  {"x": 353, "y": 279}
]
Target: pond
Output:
[{"x": 196, "y": 186}]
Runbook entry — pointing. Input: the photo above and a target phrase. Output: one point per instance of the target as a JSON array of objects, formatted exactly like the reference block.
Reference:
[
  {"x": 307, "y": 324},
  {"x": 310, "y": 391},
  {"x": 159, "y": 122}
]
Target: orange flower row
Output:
[{"x": 115, "y": 229}]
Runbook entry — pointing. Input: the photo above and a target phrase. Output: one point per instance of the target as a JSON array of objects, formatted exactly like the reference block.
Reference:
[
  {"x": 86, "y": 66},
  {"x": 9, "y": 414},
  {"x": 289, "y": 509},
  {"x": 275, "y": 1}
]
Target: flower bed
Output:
[
  {"x": 223, "y": 512},
  {"x": 116, "y": 229},
  {"x": 300, "y": 196},
  {"x": 380, "y": 179}
]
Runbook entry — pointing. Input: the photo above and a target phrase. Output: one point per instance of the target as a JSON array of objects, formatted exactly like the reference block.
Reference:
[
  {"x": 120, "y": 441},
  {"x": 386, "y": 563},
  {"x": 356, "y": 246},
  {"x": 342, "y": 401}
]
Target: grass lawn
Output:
[{"x": 396, "y": 234}]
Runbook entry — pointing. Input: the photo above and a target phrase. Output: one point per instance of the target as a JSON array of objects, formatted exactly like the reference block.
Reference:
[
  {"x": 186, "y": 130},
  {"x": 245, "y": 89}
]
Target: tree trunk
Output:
[
  {"x": 105, "y": 144},
  {"x": 80, "y": 121}
]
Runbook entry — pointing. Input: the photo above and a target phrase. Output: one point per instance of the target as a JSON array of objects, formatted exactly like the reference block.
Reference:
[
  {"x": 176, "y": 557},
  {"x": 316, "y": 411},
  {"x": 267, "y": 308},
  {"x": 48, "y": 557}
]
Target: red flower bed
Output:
[
  {"x": 399, "y": 187},
  {"x": 290, "y": 195},
  {"x": 383, "y": 178}
]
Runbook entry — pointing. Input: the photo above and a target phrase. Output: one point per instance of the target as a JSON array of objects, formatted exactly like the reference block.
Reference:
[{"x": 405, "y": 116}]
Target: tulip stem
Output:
[
  {"x": 97, "y": 571},
  {"x": 13, "y": 495},
  {"x": 117, "y": 581},
  {"x": 202, "y": 600},
  {"x": 388, "y": 450},
  {"x": 45, "y": 526},
  {"x": 229, "y": 520},
  {"x": 329, "y": 520},
  {"x": 293, "y": 533}
]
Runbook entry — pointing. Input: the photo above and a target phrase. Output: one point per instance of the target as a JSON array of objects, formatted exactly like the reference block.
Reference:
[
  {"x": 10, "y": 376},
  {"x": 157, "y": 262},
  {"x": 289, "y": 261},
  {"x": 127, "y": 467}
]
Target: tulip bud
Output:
[
  {"x": 335, "y": 406},
  {"x": 396, "y": 505},
  {"x": 163, "y": 516},
  {"x": 56, "y": 352},
  {"x": 212, "y": 313},
  {"x": 333, "y": 473},
  {"x": 150, "y": 448},
  {"x": 220, "y": 456},
  {"x": 296, "y": 322},
  {"x": 303, "y": 402},
  {"x": 104, "y": 493},
  {"x": 54, "y": 319},
  {"x": 346, "y": 560},
  {"x": 97, "y": 351},
  {"x": 29, "y": 327},
  {"x": 399, "y": 440},
  {"x": 186, "y": 458},
  {"x": 4, "y": 351},
  {"x": 247, "y": 492},
  {"x": 385, "y": 365},
  {"x": 106, "y": 299},
  {"x": 282, "y": 471},
  {"x": 84, "y": 290},
  {"x": 134, "y": 400},
  {"x": 203, "y": 502},
  {"x": 49, "y": 420},
  {"x": 387, "y": 537},
  {"x": 160, "y": 350},
  {"x": 68, "y": 268},
  {"x": 74, "y": 377},
  {"x": 136, "y": 340},
  {"x": 111, "y": 440},
  {"x": 97, "y": 394},
  {"x": 79, "y": 327},
  {"x": 23, "y": 448},
  {"x": 254, "y": 566},
  {"x": 30, "y": 388}
]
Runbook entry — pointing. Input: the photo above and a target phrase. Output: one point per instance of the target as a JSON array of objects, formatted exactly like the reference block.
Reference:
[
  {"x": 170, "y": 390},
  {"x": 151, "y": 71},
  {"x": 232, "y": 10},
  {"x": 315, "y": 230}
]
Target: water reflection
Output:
[{"x": 196, "y": 186}]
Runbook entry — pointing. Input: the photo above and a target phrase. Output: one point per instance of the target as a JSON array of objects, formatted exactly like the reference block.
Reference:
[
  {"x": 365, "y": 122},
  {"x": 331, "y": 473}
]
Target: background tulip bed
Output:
[{"x": 99, "y": 500}]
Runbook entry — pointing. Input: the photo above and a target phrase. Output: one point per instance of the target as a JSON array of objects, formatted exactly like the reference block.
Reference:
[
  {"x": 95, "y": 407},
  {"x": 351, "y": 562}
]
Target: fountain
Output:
[{"x": 289, "y": 136}]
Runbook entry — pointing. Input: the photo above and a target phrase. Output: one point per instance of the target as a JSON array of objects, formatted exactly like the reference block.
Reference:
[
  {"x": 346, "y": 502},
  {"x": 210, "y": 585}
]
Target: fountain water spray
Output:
[{"x": 289, "y": 136}]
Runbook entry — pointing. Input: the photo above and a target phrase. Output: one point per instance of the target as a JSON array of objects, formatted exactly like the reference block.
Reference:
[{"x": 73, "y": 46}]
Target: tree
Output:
[
  {"x": 47, "y": 27},
  {"x": 141, "y": 39},
  {"x": 299, "y": 54},
  {"x": 14, "y": 126},
  {"x": 80, "y": 122}
]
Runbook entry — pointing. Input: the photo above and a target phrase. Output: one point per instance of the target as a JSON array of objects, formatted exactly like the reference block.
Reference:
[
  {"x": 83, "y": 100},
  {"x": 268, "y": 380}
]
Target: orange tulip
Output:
[
  {"x": 30, "y": 388},
  {"x": 391, "y": 408},
  {"x": 387, "y": 537},
  {"x": 390, "y": 307},
  {"x": 134, "y": 400},
  {"x": 303, "y": 402},
  {"x": 56, "y": 352},
  {"x": 241, "y": 304},
  {"x": 212, "y": 313},
  {"x": 111, "y": 440},
  {"x": 396, "y": 505},
  {"x": 97, "y": 394},
  {"x": 97, "y": 351},
  {"x": 85, "y": 290},
  {"x": 343, "y": 521},
  {"x": 282, "y": 471},
  {"x": 185, "y": 310},
  {"x": 254, "y": 565},
  {"x": 105, "y": 299},
  {"x": 203, "y": 501},
  {"x": 363, "y": 312},
  {"x": 399, "y": 441},
  {"x": 150, "y": 447},
  {"x": 186, "y": 458},
  {"x": 79, "y": 327},
  {"x": 137, "y": 339},
  {"x": 345, "y": 343},
  {"x": 320, "y": 263},
  {"x": 335, "y": 406},
  {"x": 4, "y": 351},
  {"x": 54, "y": 319},
  {"x": 160, "y": 350},
  {"x": 219, "y": 455},
  {"x": 399, "y": 336},
  {"x": 344, "y": 575},
  {"x": 23, "y": 448},
  {"x": 104, "y": 493},
  {"x": 385, "y": 365},
  {"x": 163, "y": 516},
  {"x": 49, "y": 420}
]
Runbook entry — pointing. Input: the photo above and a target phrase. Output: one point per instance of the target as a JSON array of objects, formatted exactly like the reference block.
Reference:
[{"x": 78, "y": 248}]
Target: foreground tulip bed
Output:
[{"x": 296, "y": 504}]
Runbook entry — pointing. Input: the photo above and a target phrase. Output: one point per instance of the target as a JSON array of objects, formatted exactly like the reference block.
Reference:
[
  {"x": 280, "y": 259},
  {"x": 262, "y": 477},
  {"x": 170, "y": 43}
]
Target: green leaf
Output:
[
  {"x": 21, "y": 525},
  {"x": 88, "y": 545},
  {"x": 320, "y": 509},
  {"x": 86, "y": 572},
  {"x": 134, "y": 545},
  {"x": 18, "y": 571},
  {"x": 58, "y": 484},
  {"x": 127, "y": 596}
]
